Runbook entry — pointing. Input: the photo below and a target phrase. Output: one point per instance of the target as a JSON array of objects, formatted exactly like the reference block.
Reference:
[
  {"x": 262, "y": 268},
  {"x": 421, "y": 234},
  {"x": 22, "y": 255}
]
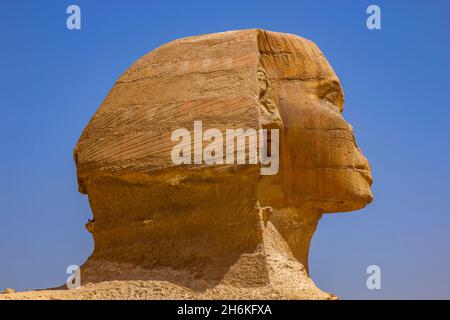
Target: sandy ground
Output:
[{"x": 154, "y": 290}]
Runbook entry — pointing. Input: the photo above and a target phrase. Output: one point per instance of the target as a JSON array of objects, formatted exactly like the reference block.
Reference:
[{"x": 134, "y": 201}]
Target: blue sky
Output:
[{"x": 396, "y": 83}]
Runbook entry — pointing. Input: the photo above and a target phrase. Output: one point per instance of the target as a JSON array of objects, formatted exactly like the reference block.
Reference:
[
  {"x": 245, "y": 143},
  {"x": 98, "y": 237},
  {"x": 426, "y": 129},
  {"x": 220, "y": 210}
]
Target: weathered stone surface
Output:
[{"x": 217, "y": 231}]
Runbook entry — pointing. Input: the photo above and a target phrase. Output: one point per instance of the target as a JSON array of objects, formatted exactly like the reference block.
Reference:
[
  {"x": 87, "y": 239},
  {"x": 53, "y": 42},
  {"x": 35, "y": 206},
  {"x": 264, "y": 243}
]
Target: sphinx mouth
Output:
[{"x": 364, "y": 170}]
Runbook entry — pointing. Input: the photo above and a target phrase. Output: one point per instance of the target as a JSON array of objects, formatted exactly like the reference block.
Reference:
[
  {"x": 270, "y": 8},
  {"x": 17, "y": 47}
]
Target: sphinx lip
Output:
[{"x": 366, "y": 175}]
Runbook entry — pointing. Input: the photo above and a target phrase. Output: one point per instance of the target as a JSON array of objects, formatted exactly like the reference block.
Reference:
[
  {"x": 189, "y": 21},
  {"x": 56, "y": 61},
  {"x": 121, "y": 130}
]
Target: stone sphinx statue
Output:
[{"x": 218, "y": 230}]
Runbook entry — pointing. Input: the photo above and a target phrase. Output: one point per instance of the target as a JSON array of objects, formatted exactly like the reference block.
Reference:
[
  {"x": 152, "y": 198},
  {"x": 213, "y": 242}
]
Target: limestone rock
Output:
[
  {"x": 216, "y": 231},
  {"x": 204, "y": 225}
]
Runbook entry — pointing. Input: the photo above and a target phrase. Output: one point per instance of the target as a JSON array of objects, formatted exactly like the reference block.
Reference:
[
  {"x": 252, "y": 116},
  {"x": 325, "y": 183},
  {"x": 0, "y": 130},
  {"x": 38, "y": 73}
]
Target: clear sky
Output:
[{"x": 397, "y": 88}]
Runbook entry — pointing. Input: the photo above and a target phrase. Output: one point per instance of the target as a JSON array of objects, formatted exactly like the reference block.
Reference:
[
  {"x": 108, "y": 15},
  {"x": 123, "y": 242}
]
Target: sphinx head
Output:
[{"x": 202, "y": 217}]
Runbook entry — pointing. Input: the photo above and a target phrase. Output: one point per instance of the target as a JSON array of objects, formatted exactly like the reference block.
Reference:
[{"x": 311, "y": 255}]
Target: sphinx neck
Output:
[
  {"x": 197, "y": 226},
  {"x": 297, "y": 226},
  {"x": 202, "y": 231}
]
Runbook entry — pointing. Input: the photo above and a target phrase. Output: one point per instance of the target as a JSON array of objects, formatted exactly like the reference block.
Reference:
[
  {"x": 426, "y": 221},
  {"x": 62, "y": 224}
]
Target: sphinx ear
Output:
[{"x": 269, "y": 113}]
